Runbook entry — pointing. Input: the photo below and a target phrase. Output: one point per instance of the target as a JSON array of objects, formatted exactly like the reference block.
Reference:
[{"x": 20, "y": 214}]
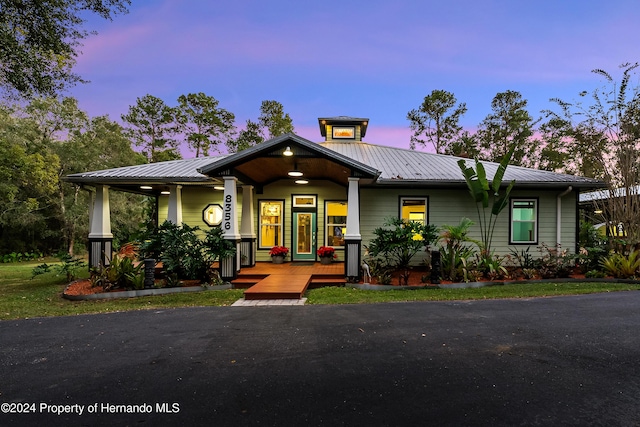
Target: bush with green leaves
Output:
[
  {"x": 593, "y": 246},
  {"x": 121, "y": 273},
  {"x": 621, "y": 266},
  {"x": 20, "y": 257},
  {"x": 68, "y": 266},
  {"x": 183, "y": 254},
  {"x": 398, "y": 241},
  {"x": 454, "y": 253},
  {"x": 554, "y": 262}
]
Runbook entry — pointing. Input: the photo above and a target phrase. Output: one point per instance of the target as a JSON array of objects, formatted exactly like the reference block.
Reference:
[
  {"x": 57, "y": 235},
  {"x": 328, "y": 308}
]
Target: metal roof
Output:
[
  {"x": 385, "y": 165},
  {"x": 403, "y": 166}
]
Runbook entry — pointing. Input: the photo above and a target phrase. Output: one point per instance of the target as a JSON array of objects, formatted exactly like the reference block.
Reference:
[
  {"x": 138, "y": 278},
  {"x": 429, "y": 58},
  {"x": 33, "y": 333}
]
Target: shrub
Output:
[
  {"x": 69, "y": 267},
  {"x": 454, "y": 252},
  {"x": 622, "y": 267},
  {"x": 121, "y": 273},
  {"x": 554, "y": 262},
  {"x": 183, "y": 254},
  {"x": 398, "y": 241}
]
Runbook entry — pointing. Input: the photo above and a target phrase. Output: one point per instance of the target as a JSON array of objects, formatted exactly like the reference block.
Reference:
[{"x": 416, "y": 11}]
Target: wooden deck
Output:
[{"x": 287, "y": 281}]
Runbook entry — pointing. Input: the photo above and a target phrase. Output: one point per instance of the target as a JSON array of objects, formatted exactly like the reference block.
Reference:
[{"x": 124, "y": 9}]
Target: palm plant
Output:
[
  {"x": 482, "y": 191},
  {"x": 454, "y": 252}
]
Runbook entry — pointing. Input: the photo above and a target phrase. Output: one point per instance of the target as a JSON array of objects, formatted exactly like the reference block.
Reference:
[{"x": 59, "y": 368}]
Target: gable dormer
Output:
[{"x": 343, "y": 128}]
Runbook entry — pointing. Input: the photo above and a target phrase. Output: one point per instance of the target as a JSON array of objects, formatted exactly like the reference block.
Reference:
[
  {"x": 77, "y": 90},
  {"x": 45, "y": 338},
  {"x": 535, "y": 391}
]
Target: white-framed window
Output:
[
  {"x": 414, "y": 209},
  {"x": 524, "y": 221},
  {"x": 335, "y": 223},
  {"x": 271, "y": 224}
]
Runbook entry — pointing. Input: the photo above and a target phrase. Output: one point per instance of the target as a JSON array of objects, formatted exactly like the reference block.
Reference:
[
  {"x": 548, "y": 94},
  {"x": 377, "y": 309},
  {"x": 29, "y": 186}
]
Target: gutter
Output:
[{"x": 559, "y": 215}]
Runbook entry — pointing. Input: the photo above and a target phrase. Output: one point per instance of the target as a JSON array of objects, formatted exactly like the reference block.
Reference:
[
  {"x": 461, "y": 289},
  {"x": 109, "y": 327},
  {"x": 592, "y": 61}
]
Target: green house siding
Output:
[
  {"x": 445, "y": 207},
  {"x": 283, "y": 190},
  {"x": 448, "y": 207},
  {"x": 194, "y": 201}
]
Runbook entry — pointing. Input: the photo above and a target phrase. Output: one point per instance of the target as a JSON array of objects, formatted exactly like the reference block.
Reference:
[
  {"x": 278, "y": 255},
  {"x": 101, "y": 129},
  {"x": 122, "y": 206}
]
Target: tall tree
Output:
[
  {"x": 39, "y": 42},
  {"x": 465, "y": 146},
  {"x": 274, "y": 119},
  {"x": 204, "y": 124},
  {"x": 604, "y": 131},
  {"x": 509, "y": 126},
  {"x": 152, "y": 126},
  {"x": 28, "y": 185},
  {"x": 436, "y": 121},
  {"x": 248, "y": 137}
]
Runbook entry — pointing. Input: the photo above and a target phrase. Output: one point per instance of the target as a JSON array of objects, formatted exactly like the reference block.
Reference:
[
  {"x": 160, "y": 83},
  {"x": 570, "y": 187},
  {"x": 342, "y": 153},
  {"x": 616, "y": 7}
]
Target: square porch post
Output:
[
  {"x": 230, "y": 266},
  {"x": 353, "y": 238},
  {"x": 247, "y": 229},
  {"x": 100, "y": 236}
]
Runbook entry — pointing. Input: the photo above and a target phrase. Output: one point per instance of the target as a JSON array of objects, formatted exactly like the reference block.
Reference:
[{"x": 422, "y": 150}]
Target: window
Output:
[
  {"x": 336, "y": 223},
  {"x": 414, "y": 209},
  {"x": 271, "y": 214},
  {"x": 524, "y": 221}
]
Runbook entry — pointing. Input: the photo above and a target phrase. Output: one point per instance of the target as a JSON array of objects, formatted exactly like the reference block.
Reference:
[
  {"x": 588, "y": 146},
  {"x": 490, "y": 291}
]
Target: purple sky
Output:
[{"x": 375, "y": 59}]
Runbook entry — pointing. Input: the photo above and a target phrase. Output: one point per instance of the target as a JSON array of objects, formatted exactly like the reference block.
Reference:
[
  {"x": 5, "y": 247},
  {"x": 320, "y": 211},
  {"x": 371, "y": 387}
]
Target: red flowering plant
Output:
[
  {"x": 327, "y": 251},
  {"x": 279, "y": 251}
]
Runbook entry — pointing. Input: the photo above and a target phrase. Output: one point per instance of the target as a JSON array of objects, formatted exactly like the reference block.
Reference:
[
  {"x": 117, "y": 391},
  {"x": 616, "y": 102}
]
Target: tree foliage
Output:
[
  {"x": 248, "y": 137},
  {"x": 42, "y": 142},
  {"x": 39, "y": 42},
  {"x": 508, "y": 128},
  {"x": 436, "y": 121},
  {"x": 274, "y": 120},
  {"x": 603, "y": 135},
  {"x": 152, "y": 126},
  {"x": 204, "y": 125}
]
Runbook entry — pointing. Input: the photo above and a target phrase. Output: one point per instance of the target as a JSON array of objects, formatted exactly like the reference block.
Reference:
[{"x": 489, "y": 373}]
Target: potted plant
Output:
[
  {"x": 278, "y": 253},
  {"x": 326, "y": 254}
]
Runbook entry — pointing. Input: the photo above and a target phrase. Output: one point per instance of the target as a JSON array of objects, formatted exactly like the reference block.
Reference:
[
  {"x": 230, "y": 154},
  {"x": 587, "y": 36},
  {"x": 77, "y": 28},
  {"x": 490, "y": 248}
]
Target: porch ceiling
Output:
[
  {"x": 266, "y": 163},
  {"x": 264, "y": 170}
]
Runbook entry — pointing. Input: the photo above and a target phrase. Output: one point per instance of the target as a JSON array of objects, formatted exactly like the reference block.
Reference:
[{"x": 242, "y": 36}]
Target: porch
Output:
[{"x": 287, "y": 281}]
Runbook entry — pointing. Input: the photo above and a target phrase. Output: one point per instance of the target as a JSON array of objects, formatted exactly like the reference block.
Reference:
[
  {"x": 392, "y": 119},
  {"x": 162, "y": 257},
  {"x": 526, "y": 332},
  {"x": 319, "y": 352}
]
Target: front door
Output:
[{"x": 304, "y": 236}]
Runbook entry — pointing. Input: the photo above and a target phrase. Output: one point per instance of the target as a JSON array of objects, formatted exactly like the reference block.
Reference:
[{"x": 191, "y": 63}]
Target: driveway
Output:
[{"x": 546, "y": 361}]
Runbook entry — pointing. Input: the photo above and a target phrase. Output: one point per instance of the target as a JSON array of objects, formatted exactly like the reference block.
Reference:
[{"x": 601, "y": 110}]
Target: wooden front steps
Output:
[
  {"x": 288, "y": 280},
  {"x": 279, "y": 286}
]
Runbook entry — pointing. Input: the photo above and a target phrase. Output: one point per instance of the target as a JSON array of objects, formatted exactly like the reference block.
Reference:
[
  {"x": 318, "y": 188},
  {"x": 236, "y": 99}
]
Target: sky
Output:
[{"x": 361, "y": 58}]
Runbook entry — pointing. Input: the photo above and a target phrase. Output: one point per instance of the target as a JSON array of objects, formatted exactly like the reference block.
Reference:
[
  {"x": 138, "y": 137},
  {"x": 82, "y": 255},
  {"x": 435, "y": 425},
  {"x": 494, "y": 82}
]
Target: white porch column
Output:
[
  {"x": 174, "y": 213},
  {"x": 247, "y": 228},
  {"x": 230, "y": 266},
  {"x": 353, "y": 210},
  {"x": 100, "y": 236},
  {"x": 353, "y": 238},
  {"x": 101, "y": 214}
]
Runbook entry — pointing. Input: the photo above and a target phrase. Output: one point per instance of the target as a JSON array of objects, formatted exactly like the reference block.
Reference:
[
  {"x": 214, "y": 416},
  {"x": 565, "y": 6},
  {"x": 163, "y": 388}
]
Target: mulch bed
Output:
[{"x": 84, "y": 287}]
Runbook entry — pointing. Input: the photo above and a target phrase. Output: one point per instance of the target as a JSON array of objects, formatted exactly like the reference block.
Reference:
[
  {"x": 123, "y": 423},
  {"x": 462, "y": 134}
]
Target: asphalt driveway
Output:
[{"x": 548, "y": 361}]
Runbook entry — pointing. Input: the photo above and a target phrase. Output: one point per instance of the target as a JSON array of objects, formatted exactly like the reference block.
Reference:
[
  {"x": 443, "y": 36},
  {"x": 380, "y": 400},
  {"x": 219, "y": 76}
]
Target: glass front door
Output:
[{"x": 304, "y": 236}]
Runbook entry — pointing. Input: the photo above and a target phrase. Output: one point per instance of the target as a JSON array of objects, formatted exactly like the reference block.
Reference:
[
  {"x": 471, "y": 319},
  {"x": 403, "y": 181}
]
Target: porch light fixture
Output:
[
  {"x": 597, "y": 211},
  {"x": 165, "y": 192},
  {"x": 217, "y": 187},
  {"x": 295, "y": 172},
  {"x": 301, "y": 181},
  {"x": 288, "y": 152},
  {"x": 146, "y": 187}
]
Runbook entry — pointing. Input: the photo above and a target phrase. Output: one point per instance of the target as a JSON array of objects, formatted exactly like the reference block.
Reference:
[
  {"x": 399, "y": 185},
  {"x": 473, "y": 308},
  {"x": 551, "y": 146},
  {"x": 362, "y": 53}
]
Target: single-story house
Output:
[{"x": 292, "y": 192}]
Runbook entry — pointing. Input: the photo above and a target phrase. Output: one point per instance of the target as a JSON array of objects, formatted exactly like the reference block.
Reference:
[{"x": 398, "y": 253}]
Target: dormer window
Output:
[{"x": 343, "y": 128}]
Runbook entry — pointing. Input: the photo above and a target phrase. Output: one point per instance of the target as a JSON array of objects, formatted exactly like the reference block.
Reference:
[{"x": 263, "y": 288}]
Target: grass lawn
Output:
[{"x": 24, "y": 297}]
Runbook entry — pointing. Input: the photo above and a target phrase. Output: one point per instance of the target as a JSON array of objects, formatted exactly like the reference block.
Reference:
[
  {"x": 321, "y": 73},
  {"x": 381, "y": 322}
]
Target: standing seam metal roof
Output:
[{"x": 396, "y": 165}]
